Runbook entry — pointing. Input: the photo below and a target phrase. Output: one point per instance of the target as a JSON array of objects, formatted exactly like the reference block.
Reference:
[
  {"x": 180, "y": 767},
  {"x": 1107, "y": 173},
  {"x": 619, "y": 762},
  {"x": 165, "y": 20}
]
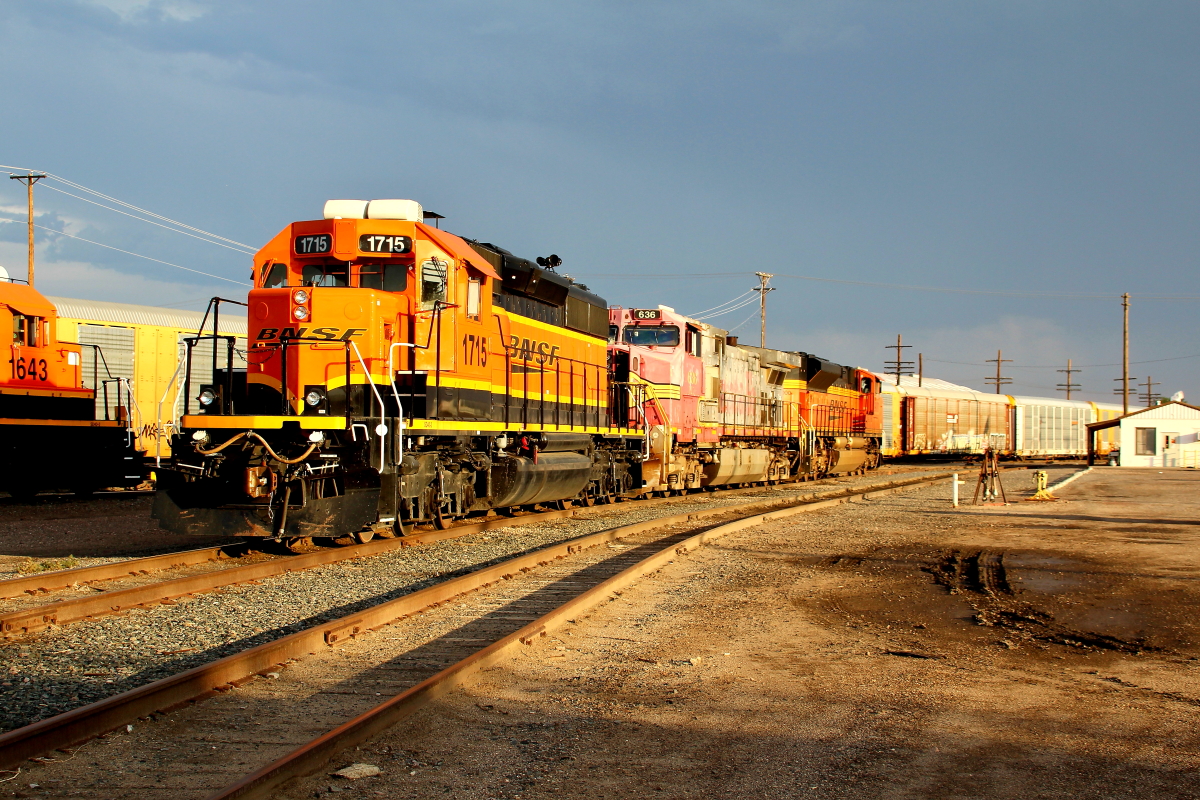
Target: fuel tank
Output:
[
  {"x": 849, "y": 454},
  {"x": 518, "y": 481},
  {"x": 737, "y": 465}
]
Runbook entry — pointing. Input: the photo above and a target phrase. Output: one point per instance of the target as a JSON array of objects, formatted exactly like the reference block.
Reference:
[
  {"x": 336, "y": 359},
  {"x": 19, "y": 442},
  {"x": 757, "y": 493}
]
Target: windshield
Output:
[
  {"x": 660, "y": 335},
  {"x": 388, "y": 277},
  {"x": 326, "y": 275}
]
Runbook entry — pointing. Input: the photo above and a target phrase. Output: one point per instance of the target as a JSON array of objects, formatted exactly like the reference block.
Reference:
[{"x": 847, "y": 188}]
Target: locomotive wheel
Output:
[{"x": 440, "y": 520}]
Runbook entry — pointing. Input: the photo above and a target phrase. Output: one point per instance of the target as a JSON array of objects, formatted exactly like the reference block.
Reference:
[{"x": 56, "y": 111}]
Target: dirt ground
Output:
[
  {"x": 108, "y": 525},
  {"x": 896, "y": 648}
]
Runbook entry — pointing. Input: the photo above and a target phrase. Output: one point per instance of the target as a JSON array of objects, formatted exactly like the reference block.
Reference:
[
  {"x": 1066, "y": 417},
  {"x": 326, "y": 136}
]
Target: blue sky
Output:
[{"x": 1045, "y": 148}]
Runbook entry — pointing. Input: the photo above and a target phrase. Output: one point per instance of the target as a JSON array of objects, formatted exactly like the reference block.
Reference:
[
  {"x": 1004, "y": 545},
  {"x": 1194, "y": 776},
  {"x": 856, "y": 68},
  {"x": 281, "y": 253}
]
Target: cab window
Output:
[
  {"x": 474, "y": 297},
  {"x": 693, "y": 341},
  {"x": 387, "y": 277},
  {"x": 614, "y": 332},
  {"x": 274, "y": 276},
  {"x": 326, "y": 275},
  {"x": 656, "y": 336},
  {"x": 27, "y": 330},
  {"x": 433, "y": 282}
]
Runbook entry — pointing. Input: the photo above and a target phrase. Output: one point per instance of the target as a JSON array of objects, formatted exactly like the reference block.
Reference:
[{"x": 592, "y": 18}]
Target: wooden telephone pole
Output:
[
  {"x": 29, "y": 180},
  {"x": 999, "y": 380},
  {"x": 1068, "y": 386},
  {"x": 1125, "y": 354},
  {"x": 1149, "y": 397},
  {"x": 898, "y": 364},
  {"x": 762, "y": 290}
]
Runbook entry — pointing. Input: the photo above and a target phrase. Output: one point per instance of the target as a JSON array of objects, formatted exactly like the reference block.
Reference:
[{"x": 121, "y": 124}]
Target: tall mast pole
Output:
[
  {"x": 29, "y": 180},
  {"x": 762, "y": 290},
  {"x": 1125, "y": 354}
]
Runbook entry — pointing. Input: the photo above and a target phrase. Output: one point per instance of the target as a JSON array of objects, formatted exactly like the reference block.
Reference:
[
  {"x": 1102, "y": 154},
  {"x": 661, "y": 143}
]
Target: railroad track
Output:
[
  {"x": 39, "y": 616},
  {"x": 328, "y": 699}
]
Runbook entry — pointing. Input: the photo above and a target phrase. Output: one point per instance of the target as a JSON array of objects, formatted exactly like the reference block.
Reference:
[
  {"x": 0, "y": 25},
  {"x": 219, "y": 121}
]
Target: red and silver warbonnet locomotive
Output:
[{"x": 719, "y": 413}]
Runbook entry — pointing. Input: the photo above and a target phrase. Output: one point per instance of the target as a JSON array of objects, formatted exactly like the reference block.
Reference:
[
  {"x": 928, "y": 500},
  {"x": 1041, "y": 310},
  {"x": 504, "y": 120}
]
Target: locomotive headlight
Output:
[
  {"x": 300, "y": 313},
  {"x": 299, "y": 297},
  {"x": 207, "y": 397},
  {"x": 313, "y": 398}
]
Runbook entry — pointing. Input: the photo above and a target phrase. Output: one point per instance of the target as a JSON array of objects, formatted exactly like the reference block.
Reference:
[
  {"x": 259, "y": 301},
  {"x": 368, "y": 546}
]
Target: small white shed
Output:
[{"x": 1167, "y": 435}]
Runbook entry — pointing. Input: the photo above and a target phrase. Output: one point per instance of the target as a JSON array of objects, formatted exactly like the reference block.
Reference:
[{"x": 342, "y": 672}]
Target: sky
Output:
[{"x": 972, "y": 176}]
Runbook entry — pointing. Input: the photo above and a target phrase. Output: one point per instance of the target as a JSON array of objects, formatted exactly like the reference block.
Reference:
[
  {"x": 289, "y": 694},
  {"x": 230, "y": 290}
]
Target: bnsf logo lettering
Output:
[
  {"x": 532, "y": 350},
  {"x": 328, "y": 334}
]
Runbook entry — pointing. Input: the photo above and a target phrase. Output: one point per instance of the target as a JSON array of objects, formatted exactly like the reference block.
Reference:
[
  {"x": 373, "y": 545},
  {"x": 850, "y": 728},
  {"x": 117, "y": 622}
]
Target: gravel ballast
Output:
[{"x": 63, "y": 668}]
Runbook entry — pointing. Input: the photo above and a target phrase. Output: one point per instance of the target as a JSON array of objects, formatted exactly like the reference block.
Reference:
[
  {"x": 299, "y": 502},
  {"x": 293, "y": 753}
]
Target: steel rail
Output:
[
  {"x": 313, "y": 756},
  {"x": 60, "y": 579},
  {"x": 35, "y": 618},
  {"x": 42, "y": 582},
  {"x": 77, "y": 725}
]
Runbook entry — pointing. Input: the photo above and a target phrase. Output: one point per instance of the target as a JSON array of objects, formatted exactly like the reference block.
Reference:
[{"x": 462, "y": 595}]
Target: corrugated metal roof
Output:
[{"x": 233, "y": 318}]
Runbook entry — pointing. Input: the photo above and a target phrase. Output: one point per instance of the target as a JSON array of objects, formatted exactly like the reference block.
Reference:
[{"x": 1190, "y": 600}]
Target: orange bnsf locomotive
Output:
[
  {"x": 50, "y": 437},
  {"x": 397, "y": 374},
  {"x": 400, "y": 374}
]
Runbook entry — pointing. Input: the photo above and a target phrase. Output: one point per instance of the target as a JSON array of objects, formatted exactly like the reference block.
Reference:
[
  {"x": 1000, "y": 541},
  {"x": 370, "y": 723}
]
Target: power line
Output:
[
  {"x": 743, "y": 322},
  {"x": 905, "y": 287},
  {"x": 238, "y": 248},
  {"x": 132, "y": 207},
  {"x": 139, "y": 255},
  {"x": 722, "y": 305},
  {"x": 1045, "y": 366},
  {"x": 739, "y": 305}
]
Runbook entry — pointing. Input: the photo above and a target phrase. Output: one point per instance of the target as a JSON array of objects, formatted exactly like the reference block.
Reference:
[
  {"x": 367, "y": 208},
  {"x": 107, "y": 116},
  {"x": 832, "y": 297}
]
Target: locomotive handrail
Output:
[
  {"x": 158, "y": 423},
  {"x": 382, "y": 429},
  {"x": 544, "y": 361},
  {"x": 226, "y": 396}
]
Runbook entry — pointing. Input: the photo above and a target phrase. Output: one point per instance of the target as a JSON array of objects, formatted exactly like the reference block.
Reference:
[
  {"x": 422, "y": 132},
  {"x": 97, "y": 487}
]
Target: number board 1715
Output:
[
  {"x": 378, "y": 243},
  {"x": 313, "y": 244}
]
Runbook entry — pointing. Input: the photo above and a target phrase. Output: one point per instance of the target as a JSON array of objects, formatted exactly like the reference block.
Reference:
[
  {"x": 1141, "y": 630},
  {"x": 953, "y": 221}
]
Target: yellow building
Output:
[{"x": 142, "y": 348}]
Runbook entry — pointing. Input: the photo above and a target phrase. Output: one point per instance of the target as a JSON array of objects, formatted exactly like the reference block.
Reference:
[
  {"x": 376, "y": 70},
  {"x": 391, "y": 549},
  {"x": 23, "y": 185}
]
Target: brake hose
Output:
[{"x": 274, "y": 455}]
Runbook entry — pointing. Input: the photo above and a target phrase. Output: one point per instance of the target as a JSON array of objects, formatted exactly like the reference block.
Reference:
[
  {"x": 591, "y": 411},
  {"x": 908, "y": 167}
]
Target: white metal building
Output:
[{"x": 1166, "y": 435}]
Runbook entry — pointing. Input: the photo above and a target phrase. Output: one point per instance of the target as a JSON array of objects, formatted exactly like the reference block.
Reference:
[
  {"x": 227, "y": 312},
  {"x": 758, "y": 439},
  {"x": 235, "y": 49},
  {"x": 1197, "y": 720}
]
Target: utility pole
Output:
[
  {"x": 920, "y": 369},
  {"x": 1149, "y": 397},
  {"x": 1068, "y": 386},
  {"x": 898, "y": 364},
  {"x": 29, "y": 180},
  {"x": 762, "y": 290},
  {"x": 1125, "y": 355},
  {"x": 999, "y": 380}
]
